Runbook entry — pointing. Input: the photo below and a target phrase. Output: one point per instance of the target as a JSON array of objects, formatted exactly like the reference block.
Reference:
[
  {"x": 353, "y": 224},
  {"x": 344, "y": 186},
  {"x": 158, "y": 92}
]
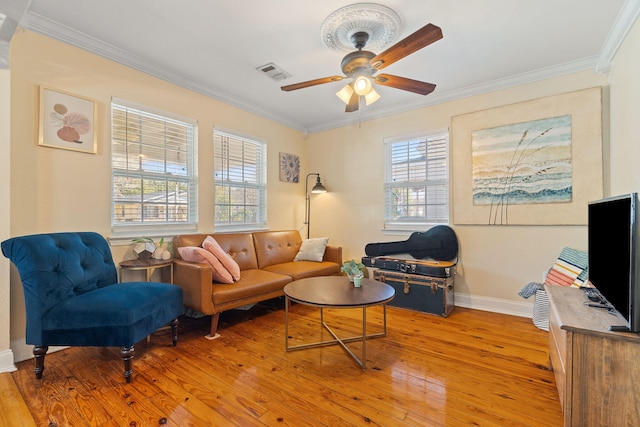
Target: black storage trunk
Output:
[
  {"x": 433, "y": 295},
  {"x": 412, "y": 266}
]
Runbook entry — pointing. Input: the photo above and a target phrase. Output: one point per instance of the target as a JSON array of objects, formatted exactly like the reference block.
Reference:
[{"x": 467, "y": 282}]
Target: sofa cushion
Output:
[
  {"x": 201, "y": 255},
  {"x": 301, "y": 269},
  {"x": 240, "y": 247},
  {"x": 312, "y": 249},
  {"x": 252, "y": 283},
  {"x": 117, "y": 315},
  {"x": 276, "y": 247},
  {"x": 214, "y": 247}
]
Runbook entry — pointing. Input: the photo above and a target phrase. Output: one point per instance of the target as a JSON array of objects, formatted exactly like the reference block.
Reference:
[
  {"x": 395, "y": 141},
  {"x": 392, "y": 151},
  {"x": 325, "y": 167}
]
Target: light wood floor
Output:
[{"x": 472, "y": 368}]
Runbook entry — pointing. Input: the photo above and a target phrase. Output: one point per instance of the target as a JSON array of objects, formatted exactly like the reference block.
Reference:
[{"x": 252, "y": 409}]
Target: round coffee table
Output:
[{"x": 338, "y": 292}]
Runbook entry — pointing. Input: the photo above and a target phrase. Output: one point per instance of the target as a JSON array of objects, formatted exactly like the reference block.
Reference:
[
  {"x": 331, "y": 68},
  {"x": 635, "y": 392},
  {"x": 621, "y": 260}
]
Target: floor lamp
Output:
[{"x": 318, "y": 188}]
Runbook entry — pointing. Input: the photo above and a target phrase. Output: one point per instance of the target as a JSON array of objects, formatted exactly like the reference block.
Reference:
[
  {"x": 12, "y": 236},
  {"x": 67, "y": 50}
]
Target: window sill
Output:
[
  {"x": 239, "y": 229},
  {"x": 122, "y": 236}
]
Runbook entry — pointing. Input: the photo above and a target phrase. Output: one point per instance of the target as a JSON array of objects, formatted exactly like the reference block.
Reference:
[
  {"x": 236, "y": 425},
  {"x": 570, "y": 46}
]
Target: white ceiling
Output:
[{"x": 214, "y": 47}]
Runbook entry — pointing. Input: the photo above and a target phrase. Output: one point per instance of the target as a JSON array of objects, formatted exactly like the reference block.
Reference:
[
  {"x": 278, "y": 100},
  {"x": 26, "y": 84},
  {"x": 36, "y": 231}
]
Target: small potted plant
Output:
[{"x": 354, "y": 270}]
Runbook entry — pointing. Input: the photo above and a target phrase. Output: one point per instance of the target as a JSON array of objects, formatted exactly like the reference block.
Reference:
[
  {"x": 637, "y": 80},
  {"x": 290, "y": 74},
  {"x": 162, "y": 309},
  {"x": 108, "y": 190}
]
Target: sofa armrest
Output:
[
  {"x": 196, "y": 281},
  {"x": 333, "y": 254}
]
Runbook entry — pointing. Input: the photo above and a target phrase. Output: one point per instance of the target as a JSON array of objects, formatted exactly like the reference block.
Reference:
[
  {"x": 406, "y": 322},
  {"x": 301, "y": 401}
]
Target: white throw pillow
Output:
[{"x": 312, "y": 249}]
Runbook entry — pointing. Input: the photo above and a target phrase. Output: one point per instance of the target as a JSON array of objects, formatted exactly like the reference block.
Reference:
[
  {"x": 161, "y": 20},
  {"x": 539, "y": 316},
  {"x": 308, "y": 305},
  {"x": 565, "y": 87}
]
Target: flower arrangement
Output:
[{"x": 145, "y": 248}]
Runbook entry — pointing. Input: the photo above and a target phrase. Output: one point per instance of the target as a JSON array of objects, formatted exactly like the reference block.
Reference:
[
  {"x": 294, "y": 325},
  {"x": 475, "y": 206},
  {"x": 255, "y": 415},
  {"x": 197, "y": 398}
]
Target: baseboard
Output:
[
  {"x": 6, "y": 361},
  {"x": 521, "y": 309},
  {"x": 23, "y": 351}
]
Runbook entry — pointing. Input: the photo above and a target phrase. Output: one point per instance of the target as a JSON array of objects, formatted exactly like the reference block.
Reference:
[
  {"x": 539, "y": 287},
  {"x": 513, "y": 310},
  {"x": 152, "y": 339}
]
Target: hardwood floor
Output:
[{"x": 472, "y": 368}]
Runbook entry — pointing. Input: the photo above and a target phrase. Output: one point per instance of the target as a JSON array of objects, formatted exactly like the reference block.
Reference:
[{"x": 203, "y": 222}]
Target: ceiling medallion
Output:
[{"x": 379, "y": 22}]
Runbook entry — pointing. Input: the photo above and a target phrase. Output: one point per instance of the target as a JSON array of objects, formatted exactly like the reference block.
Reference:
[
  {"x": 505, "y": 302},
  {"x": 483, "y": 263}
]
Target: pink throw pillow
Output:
[
  {"x": 196, "y": 254},
  {"x": 229, "y": 263}
]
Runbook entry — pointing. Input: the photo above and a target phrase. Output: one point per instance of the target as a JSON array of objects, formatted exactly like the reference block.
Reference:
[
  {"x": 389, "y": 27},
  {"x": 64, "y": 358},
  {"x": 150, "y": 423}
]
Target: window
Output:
[
  {"x": 240, "y": 182},
  {"x": 153, "y": 171},
  {"x": 416, "y": 181}
]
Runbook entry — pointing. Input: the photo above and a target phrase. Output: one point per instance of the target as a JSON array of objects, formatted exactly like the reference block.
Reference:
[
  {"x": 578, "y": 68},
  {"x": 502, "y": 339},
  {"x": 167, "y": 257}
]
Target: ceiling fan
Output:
[{"x": 361, "y": 65}]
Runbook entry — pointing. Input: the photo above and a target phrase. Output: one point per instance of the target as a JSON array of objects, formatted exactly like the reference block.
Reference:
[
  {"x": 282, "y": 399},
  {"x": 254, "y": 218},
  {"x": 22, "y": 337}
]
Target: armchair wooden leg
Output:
[
  {"x": 174, "y": 331},
  {"x": 127, "y": 354},
  {"x": 39, "y": 351}
]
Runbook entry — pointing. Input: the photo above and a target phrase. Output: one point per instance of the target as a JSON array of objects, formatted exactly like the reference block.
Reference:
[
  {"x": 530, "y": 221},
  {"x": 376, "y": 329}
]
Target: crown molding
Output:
[
  {"x": 55, "y": 30},
  {"x": 436, "y": 98},
  {"x": 625, "y": 20},
  {"x": 601, "y": 63}
]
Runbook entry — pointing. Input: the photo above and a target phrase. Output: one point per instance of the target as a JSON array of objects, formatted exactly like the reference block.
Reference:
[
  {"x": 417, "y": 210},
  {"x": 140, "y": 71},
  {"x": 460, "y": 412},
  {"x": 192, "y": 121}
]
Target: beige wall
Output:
[
  {"x": 495, "y": 261},
  {"x": 625, "y": 115},
  {"x": 59, "y": 190}
]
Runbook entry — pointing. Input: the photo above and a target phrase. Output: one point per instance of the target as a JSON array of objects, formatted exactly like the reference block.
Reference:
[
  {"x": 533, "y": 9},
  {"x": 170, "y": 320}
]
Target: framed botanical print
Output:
[
  {"x": 289, "y": 168},
  {"x": 67, "y": 121}
]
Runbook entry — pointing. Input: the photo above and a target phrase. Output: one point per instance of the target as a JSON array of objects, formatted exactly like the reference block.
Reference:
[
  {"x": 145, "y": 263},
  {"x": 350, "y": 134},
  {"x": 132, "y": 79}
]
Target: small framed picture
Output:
[
  {"x": 67, "y": 121},
  {"x": 289, "y": 168}
]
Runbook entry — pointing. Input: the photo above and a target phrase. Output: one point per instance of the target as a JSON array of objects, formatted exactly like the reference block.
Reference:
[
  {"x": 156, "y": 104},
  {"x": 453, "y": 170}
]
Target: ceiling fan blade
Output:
[
  {"x": 404, "y": 83},
  {"x": 354, "y": 103},
  {"x": 416, "y": 41},
  {"x": 309, "y": 83}
]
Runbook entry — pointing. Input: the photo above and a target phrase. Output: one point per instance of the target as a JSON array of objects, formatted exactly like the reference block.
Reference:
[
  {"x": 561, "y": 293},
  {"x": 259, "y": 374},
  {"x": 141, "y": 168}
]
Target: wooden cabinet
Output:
[{"x": 597, "y": 371}]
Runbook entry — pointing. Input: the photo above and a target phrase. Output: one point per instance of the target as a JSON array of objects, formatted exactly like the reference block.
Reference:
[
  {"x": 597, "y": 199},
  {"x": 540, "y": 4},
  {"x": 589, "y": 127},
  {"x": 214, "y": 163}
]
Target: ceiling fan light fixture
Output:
[
  {"x": 345, "y": 93},
  {"x": 361, "y": 65},
  {"x": 371, "y": 97},
  {"x": 362, "y": 85}
]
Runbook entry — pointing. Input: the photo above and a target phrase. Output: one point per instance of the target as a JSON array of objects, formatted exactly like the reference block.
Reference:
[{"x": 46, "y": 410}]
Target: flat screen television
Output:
[{"x": 614, "y": 267}]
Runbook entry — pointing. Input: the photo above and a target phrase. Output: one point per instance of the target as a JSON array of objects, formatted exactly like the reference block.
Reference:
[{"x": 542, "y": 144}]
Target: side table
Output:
[{"x": 148, "y": 265}]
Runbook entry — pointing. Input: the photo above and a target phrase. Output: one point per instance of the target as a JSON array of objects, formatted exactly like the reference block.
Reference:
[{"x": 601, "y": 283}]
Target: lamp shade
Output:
[
  {"x": 318, "y": 188},
  {"x": 345, "y": 93},
  {"x": 371, "y": 97}
]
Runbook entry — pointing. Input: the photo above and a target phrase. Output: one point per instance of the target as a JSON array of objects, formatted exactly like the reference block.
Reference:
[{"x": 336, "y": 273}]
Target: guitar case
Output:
[
  {"x": 438, "y": 243},
  {"x": 442, "y": 269}
]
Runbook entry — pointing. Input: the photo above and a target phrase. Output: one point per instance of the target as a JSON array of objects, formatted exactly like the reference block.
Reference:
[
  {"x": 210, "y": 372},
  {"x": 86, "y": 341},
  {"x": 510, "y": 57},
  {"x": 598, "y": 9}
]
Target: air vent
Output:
[{"x": 274, "y": 72}]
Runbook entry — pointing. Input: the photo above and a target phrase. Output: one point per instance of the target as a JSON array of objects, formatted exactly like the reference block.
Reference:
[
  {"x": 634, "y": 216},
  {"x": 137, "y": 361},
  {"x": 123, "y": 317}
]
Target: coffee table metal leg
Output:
[
  {"x": 384, "y": 315},
  {"x": 286, "y": 322},
  {"x": 344, "y": 345},
  {"x": 342, "y": 341},
  {"x": 364, "y": 337}
]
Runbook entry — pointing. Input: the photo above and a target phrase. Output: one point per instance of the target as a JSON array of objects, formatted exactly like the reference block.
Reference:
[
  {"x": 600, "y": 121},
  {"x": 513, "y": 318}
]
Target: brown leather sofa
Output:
[{"x": 266, "y": 261}]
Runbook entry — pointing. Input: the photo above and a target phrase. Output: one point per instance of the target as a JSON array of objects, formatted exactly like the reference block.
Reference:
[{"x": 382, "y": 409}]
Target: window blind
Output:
[
  {"x": 417, "y": 182},
  {"x": 239, "y": 181},
  {"x": 153, "y": 169}
]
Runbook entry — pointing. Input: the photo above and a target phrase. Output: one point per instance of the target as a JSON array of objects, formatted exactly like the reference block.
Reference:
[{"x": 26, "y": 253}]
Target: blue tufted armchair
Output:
[{"x": 73, "y": 298}]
